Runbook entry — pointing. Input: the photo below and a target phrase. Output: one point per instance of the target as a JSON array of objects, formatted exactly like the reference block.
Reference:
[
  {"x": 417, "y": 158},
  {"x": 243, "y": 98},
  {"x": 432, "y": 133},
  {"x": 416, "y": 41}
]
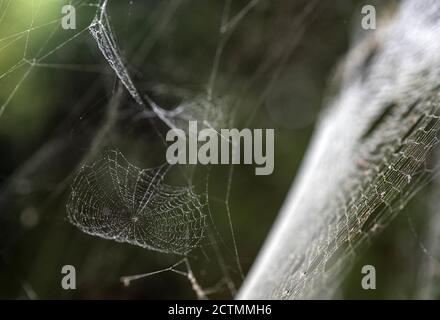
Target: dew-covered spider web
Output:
[
  {"x": 110, "y": 197},
  {"x": 376, "y": 168},
  {"x": 115, "y": 200},
  {"x": 87, "y": 110}
]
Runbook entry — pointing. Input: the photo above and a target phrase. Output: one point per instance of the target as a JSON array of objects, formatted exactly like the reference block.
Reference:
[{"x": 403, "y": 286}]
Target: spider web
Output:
[
  {"x": 201, "y": 109},
  {"x": 110, "y": 197},
  {"x": 372, "y": 173},
  {"x": 34, "y": 57},
  {"x": 390, "y": 164},
  {"x": 115, "y": 200},
  {"x": 206, "y": 110}
]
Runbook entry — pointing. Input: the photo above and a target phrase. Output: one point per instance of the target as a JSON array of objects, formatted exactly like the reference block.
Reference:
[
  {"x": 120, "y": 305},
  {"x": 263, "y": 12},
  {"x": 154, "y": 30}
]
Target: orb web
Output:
[{"x": 114, "y": 199}]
